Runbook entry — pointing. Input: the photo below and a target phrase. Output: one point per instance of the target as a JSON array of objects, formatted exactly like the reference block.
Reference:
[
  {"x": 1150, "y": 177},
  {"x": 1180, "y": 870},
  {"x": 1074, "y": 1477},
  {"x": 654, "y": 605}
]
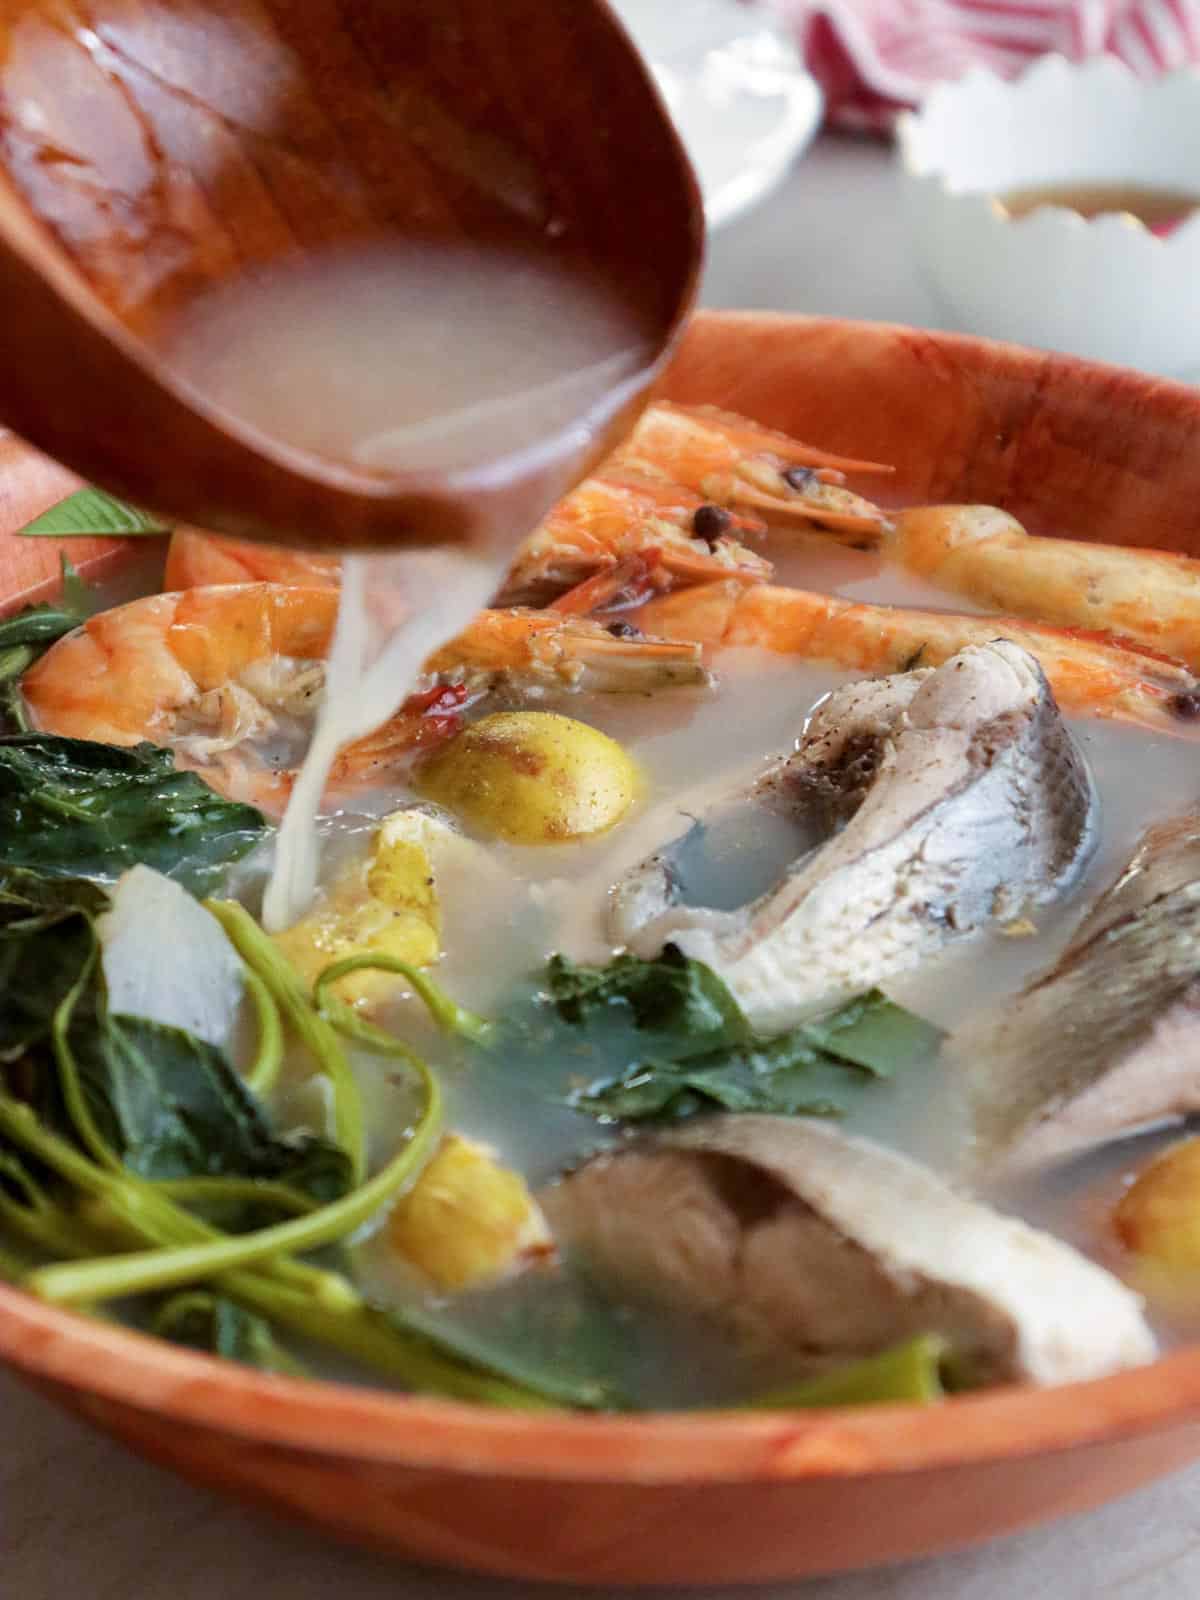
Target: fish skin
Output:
[
  {"x": 809, "y": 1247},
  {"x": 1108, "y": 1040},
  {"x": 958, "y": 799}
]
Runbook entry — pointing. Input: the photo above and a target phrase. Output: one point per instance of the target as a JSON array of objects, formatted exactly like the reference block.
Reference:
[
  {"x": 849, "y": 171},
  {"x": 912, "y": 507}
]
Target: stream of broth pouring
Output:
[{"x": 499, "y": 364}]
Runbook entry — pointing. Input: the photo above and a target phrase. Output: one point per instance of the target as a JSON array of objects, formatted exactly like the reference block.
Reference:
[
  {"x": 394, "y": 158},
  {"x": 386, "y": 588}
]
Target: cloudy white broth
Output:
[{"x": 717, "y": 958}]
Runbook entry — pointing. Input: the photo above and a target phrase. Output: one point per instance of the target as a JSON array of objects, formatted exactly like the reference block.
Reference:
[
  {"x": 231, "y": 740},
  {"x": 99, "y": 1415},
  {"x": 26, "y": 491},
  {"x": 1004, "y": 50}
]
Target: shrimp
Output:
[
  {"x": 542, "y": 650},
  {"x": 685, "y": 490},
  {"x": 736, "y": 463},
  {"x": 195, "y": 558},
  {"x": 607, "y": 519},
  {"x": 689, "y": 483},
  {"x": 229, "y": 677},
  {"x": 1090, "y": 673},
  {"x": 1147, "y": 596}
]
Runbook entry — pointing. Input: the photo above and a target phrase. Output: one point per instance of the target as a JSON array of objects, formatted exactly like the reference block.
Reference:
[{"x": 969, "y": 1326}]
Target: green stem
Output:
[
  {"x": 12, "y": 1268},
  {"x": 447, "y": 1013},
  {"x": 45, "y": 1227},
  {"x": 114, "y": 1277},
  {"x": 14, "y": 661},
  {"x": 133, "y": 1205},
  {"x": 20, "y": 1123},
  {"x": 266, "y": 1353},
  {"x": 58, "y": 807},
  {"x": 908, "y": 1372},
  {"x": 74, "y": 1097},
  {"x": 353, "y": 1025},
  {"x": 250, "y": 1191},
  {"x": 263, "y": 1072},
  {"x": 365, "y": 1335},
  {"x": 264, "y": 957},
  {"x": 319, "y": 1306}
]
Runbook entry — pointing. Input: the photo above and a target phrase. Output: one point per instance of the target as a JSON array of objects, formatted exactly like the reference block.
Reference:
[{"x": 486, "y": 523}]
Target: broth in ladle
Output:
[{"x": 499, "y": 365}]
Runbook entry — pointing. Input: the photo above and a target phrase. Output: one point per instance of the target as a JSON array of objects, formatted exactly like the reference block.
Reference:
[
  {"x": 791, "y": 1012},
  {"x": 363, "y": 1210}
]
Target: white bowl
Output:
[
  {"x": 1106, "y": 288},
  {"x": 743, "y": 102}
]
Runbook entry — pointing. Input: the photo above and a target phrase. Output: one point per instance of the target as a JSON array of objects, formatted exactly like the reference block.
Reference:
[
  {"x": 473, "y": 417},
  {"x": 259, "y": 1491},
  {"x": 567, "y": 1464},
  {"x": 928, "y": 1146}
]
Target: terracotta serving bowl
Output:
[{"x": 1082, "y": 450}]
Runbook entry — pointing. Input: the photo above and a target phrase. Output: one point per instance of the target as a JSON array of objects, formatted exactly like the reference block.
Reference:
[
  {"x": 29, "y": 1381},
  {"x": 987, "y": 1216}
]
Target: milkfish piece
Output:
[
  {"x": 808, "y": 1248},
  {"x": 946, "y": 800},
  {"x": 1108, "y": 1040}
]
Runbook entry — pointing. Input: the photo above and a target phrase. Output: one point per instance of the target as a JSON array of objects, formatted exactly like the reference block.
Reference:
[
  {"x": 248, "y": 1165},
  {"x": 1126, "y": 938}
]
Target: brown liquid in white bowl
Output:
[{"x": 1156, "y": 208}]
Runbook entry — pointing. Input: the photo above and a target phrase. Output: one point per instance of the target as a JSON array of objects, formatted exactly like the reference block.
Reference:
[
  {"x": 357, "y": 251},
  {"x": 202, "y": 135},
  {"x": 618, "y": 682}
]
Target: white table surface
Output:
[{"x": 79, "y": 1517}]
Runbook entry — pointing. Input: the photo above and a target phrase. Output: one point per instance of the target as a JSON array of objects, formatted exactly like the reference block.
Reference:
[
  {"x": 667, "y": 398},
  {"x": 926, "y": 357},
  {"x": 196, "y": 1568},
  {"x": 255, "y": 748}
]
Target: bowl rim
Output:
[
  {"x": 919, "y": 166},
  {"x": 97, "y": 1368},
  {"x": 99, "y": 1363}
]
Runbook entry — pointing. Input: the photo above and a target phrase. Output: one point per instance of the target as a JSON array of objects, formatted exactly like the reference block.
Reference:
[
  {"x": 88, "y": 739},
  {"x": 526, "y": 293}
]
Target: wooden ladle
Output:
[{"x": 151, "y": 150}]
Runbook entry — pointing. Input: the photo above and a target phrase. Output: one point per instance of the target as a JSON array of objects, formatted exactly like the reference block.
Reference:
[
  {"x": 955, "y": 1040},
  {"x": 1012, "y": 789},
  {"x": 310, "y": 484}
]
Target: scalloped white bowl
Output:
[
  {"x": 1106, "y": 288},
  {"x": 734, "y": 82}
]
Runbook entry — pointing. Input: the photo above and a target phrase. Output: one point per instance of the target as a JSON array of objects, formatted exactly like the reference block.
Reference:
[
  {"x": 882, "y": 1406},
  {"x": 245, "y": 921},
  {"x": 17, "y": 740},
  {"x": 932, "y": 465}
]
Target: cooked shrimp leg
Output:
[
  {"x": 1148, "y": 596},
  {"x": 1090, "y": 674},
  {"x": 689, "y": 483},
  {"x": 736, "y": 463}
]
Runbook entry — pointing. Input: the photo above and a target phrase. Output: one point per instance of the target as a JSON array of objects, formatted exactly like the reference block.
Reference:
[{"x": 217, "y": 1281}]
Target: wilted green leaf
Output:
[
  {"x": 73, "y": 808},
  {"x": 92, "y": 512}
]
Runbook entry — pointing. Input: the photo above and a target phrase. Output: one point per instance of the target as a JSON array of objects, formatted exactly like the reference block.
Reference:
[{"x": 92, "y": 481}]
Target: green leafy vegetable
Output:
[
  {"x": 72, "y": 808},
  {"x": 447, "y": 1013},
  {"x": 704, "y": 1053},
  {"x": 283, "y": 983},
  {"x": 168, "y": 1102},
  {"x": 29, "y": 633},
  {"x": 673, "y": 1090},
  {"x": 907, "y": 1372},
  {"x": 682, "y": 1002},
  {"x": 874, "y": 1033},
  {"x": 91, "y": 511},
  {"x": 30, "y": 1210},
  {"x": 40, "y": 625},
  {"x": 46, "y": 940},
  {"x": 137, "y": 1093},
  {"x": 213, "y": 1323},
  {"x": 172, "y": 1107},
  {"x": 317, "y": 1305}
]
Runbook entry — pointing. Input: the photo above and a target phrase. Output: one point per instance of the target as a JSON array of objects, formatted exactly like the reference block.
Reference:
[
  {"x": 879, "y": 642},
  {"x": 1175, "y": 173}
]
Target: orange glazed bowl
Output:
[{"x": 1068, "y": 447}]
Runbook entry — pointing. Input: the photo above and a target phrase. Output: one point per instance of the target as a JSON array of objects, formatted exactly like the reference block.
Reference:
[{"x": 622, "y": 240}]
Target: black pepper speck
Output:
[{"x": 710, "y": 522}]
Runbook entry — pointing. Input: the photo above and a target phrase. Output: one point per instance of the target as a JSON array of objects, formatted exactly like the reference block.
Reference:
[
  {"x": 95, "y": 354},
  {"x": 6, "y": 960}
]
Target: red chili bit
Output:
[{"x": 442, "y": 697}]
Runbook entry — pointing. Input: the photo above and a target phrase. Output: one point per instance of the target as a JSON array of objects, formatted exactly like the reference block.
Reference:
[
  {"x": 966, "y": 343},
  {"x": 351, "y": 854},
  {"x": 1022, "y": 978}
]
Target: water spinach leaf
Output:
[
  {"x": 704, "y": 1054},
  {"x": 29, "y": 633},
  {"x": 135, "y": 1162},
  {"x": 171, "y": 1106},
  {"x": 681, "y": 1002},
  {"x": 92, "y": 512},
  {"x": 46, "y": 940},
  {"x": 909, "y": 1372},
  {"x": 874, "y": 1033},
  {"x": 220, "y": 1326},
  {"x": 69, "y": 807}
]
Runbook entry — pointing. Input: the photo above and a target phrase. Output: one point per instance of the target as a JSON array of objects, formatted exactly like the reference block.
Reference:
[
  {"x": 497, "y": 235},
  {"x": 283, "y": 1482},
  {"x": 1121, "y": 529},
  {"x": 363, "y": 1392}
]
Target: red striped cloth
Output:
[{"x": 875, "y": 57}]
